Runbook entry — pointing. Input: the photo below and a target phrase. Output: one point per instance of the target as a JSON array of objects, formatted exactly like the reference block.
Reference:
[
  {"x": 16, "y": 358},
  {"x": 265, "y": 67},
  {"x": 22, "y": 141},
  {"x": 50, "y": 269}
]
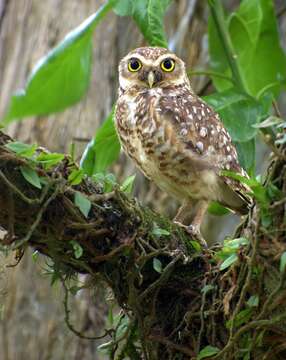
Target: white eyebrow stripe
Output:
[{"x": 150, "y": 61}]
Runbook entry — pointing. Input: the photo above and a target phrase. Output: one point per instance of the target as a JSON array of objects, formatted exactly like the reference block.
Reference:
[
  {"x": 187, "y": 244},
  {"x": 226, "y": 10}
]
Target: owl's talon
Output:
[{"x": 194, "y": 231}]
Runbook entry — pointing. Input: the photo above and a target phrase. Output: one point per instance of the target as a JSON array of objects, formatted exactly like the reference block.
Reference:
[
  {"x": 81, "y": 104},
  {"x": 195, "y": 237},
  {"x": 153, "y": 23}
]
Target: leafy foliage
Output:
[
  {"x": 239, "y": 44},
  {"x": 229, "y": 251},
  {"x": 240, "y": 112},
  {"x": 127, "y": 184},
  {"x": 103, "y": 150},
  {"x": 22, "y": 149},
  {"x": 82, "y": 203},
  {"x": 148, "y": 15},
  {"x": 207, "y": 351},
  {"x": 253, "y": 32},
  {"x": 239, "y": 47},
  {"x": 60, "y": 78},
  {"x": 31, "y": 176}
]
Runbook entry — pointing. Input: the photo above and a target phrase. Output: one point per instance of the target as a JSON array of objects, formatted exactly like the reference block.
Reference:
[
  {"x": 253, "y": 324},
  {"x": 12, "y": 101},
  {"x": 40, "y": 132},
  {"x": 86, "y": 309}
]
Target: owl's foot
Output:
[{"x": 194, "y": 231}]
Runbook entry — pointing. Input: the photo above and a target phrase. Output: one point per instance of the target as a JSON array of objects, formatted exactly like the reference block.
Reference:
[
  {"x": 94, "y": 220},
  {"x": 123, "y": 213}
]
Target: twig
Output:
[
  {"x": 218, "y": 16},
  {"x": 164, "y": 276},
  {"x": 67, "y": 318},
  {"x": 201, "y": 318},
  {"x": 19, "y": 192},
  {"x": 255, "y": 324},
  {"x": 247, "y": 282},
  {"x": 162, "y": 340},
  {"x": 271, "y": 297},
  {"x": 33, "y": 227}
]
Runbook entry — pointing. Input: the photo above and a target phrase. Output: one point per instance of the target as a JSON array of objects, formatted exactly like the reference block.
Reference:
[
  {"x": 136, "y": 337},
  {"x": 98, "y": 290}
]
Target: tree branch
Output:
[{"x": 175, "y": 309}]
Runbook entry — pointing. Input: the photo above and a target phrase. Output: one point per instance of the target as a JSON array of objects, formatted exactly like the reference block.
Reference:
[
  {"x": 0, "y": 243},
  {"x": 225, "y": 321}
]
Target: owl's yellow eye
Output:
[
  {"x": 168, "y": 65},
  {"x": 134, "y": 65}
]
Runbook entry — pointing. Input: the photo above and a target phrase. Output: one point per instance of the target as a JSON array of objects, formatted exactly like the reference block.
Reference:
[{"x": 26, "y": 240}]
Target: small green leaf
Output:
[
  {"x": 128, "y": 184},
  {"x": 50, "y": 160},
  {"x": 31, "y": 176},
  {"x": 61, "y": 78},
  {"x": 207, "y": 352},
  {"x": 241, "y": 318},
  {"x": 216, "y": 209},
  {"x": 103, "y": 150},
  {"x": 109, "y": 182},
  {"x": 82, "y": 203},
  {"x": 105, "y": 348},
  {"x": 283, "y": 263},
  {"x": 22, "y": 149},
  {"x": 158, "y": 231},
  {"x": 246, "y": 154},
  {"x": 266, "y": 217},
  {"x": 123, "y": 326},
  {"x": 258, "y": 190},
  {"x": 76, "y": 176},
  {"x": 110, "y": 316},
  {"x": 239, "y": 112},
  {"x": 196, "y": 245},
  {"x": 253, "y": 301},
  {"x": 228, "y": 262},
  {"x": 157, "y": 265},
  {"x": 77, "y": 249},
  {"x": 236, "y": 243}
]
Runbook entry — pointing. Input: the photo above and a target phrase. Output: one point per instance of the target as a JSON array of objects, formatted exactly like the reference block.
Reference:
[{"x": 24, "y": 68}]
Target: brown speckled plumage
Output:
[{"x": 175, "y": 138}]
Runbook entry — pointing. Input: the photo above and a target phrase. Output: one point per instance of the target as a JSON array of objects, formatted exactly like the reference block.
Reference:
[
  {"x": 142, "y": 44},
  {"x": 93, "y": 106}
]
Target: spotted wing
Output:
[{"x": 198, "y": 128}]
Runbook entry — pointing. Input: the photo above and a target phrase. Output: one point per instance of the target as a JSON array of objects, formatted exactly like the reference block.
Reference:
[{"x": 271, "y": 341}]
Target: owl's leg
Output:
[
  {"x": 183, "y": 212},
  {"x": 194, "y": 227}
]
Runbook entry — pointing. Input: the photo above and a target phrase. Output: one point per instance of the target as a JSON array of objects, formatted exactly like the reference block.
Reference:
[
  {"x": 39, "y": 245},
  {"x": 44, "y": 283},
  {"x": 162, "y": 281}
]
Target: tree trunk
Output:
[{"x": 28, "y": 30}]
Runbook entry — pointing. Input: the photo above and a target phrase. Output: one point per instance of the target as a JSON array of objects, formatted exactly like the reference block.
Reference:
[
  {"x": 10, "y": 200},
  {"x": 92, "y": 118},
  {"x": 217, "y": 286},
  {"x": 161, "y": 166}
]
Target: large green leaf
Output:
[
  {"x": 254, "y": 36},
  {"x": 239, "y": 112},
  {"x": 102, "y": 150},
  {"x": 246, "y": 155},
  {"x": 61, "y": 78},
  {"x": 149, "y": 16},
  {"x": 218, "y": 59}
]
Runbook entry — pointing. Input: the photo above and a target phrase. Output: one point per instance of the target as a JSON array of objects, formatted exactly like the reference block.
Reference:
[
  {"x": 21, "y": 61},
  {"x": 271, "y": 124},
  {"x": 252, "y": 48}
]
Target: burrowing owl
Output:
[{"x": 174, "y": 137}]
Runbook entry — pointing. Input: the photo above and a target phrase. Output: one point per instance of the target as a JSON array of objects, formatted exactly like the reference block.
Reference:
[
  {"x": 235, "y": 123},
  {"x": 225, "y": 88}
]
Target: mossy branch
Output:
[{"x": 175, "y": 309}]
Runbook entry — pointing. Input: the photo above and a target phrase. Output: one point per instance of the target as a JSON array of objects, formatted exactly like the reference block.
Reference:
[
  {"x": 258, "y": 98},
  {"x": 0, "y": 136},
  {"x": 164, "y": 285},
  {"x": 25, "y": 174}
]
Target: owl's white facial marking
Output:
[{"x": 151, "y": 62}]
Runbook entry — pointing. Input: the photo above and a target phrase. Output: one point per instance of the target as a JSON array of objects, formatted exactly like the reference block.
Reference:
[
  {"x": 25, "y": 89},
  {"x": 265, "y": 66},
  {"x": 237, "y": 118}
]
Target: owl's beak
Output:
[{"x": 151, "y": 78}]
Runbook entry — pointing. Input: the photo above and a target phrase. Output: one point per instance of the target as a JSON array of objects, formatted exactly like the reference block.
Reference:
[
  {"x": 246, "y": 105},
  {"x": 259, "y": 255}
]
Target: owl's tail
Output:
[{"x": 235, "y": 200}]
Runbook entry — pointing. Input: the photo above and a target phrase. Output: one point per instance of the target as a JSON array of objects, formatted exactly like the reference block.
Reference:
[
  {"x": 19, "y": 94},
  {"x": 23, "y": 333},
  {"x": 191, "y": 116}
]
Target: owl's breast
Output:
[
  {"x": 152, "y": 143},
  {"x": 136, "y": 124}
]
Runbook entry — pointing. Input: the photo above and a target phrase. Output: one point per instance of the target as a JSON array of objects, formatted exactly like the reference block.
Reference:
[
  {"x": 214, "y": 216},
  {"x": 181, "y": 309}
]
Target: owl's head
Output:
[{"x": 148, "y": 67}]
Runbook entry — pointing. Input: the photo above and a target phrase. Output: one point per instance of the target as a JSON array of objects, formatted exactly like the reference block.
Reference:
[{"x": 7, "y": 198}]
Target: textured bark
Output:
[{"x": 28, "y": 30}]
